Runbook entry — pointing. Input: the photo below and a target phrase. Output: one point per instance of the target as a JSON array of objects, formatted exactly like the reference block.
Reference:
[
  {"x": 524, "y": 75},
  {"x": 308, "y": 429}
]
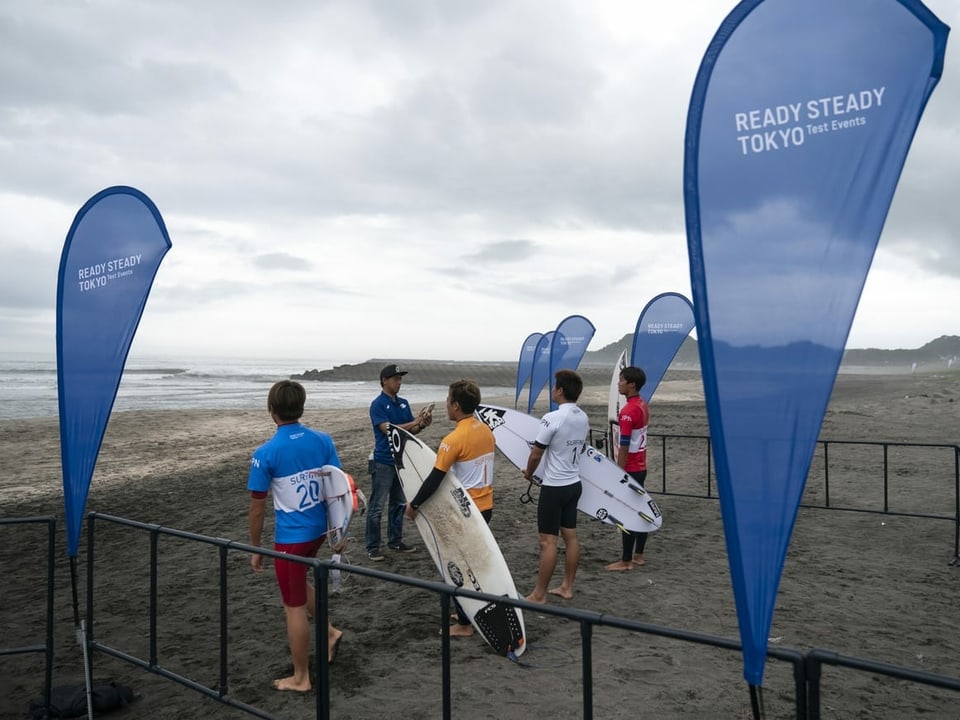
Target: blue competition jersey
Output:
[
  {"x": 288, "y": 465},
  {"x": 384, "y": 409}
]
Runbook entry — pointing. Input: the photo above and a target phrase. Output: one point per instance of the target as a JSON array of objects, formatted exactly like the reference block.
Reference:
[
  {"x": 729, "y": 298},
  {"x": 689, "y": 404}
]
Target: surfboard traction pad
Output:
[
  {"x": 500, "y": 626},
  {"x": 499, "y": 623}
]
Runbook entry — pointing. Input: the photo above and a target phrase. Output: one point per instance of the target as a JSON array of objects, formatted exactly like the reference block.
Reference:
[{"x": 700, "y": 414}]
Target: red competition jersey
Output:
[{"x": 634, "y": 418}]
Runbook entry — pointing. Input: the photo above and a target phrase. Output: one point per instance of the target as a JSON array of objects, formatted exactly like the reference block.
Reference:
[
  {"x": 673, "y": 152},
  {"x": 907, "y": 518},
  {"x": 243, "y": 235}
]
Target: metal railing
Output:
[
  {"x": 221, "y": 692},
  {"x": 820, "y": 472},
  {"x": 587, "y": 620},
  {"x": 817, "y": 658},
  {"x": 47, "y": 646}
]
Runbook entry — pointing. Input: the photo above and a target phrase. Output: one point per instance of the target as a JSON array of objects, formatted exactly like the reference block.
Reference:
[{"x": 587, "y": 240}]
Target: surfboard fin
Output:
[{"x": 619, "y": 525}]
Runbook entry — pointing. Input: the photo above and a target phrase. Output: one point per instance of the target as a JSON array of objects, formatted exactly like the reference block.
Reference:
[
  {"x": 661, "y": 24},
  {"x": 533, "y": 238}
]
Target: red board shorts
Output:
[{"x": 292, "y": 576}]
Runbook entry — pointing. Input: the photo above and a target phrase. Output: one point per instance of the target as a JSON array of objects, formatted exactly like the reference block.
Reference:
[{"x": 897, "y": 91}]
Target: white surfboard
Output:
[
  {"x": 461, "y": 545},
  {"x": 614, "y": 405},
  {"x": 342, "y": 499},
  {"x": 513, "y": 438},
  {"x": 613, "y": 496},
  {"x": 609, "y": 494}
]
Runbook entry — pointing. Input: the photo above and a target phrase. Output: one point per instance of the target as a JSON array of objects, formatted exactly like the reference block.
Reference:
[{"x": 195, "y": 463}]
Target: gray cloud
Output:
[
  {"x": 281, "y": 261},
  {"x": 179, "y": 298},
  {"x": 504, "y": 133},
  {"x": 56, "y": 65},
  {"x": 28, "y": 278},
  {"x": 563, "y": 290},
  {"x": 502, "y": 251}
]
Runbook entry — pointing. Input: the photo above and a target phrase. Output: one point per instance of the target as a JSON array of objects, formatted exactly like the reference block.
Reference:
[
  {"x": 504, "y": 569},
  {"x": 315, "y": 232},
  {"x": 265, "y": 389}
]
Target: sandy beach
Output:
[{"x": 862, "y": 584}]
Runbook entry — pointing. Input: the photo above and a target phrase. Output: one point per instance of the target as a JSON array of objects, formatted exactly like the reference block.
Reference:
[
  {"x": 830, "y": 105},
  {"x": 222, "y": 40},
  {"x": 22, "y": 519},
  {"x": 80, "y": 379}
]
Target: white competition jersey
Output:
[{"x": 564, "y": 433}]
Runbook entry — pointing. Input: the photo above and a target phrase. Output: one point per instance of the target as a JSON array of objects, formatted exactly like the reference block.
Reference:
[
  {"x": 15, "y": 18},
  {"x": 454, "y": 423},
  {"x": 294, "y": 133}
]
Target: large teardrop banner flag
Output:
[
  {"x": 663, "y": 325},
  {"x": 569, "y": 343},
  {"x": 799, "y": 124},
  {"x": 107, "y": 267},
  {"x": 540, "y": 373},
  {"x": 525, "y": 362}
]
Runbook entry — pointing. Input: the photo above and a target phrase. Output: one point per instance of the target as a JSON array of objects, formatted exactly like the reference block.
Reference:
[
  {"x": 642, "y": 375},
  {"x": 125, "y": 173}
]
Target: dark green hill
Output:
[
  {"x": 935, "y": 354},
  {"x": 595, "y": 368}
]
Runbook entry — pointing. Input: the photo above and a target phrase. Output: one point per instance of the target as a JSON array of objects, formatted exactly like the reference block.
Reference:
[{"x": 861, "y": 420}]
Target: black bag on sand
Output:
[{"x": 70, "y": 701}]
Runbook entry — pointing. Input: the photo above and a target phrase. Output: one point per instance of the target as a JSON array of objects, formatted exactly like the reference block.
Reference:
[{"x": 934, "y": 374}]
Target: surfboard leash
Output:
[
  {"x": 527, "y": 497},
  {"x": 542, "y": 666},
  {"x": 337, "y": 579}
]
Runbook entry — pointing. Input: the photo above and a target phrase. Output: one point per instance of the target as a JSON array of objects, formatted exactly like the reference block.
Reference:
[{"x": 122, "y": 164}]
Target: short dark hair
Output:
[
  {"x": 286, "y": 400},
  {"x": 634, "y": 375},
  {"x": 466, "y": 393},
  {"x": 569, "y": 383}
]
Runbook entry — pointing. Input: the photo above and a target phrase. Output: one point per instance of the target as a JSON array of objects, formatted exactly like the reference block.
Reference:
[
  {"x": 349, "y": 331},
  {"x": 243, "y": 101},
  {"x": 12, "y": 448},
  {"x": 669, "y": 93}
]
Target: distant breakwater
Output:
[
  {"x": 423, "y": 372},
  {"x": 444, "y": 372}
]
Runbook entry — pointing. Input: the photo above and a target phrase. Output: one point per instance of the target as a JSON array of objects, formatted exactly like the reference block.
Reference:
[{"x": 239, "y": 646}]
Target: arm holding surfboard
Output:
[
  {"x": 429, "y": 487},
  {"x": 459, "y": 446},
  {"x": 533, "y": 462}
]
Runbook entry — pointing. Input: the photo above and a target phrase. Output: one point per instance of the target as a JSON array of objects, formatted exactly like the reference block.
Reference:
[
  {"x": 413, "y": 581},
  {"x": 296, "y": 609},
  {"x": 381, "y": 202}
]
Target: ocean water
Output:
[{"x": 28, "y": 385}]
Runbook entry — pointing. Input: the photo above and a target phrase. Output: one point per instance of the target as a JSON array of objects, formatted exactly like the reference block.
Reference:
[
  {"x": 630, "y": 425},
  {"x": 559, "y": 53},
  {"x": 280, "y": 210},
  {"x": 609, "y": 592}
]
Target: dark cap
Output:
[{"x": 390, "y": 370}]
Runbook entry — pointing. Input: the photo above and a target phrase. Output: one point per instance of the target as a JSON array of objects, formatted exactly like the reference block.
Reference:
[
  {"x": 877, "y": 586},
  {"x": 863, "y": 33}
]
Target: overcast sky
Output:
[{"x": 399, "y": 178}]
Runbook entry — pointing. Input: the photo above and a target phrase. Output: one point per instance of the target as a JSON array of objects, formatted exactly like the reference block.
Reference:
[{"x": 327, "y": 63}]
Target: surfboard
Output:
[
  {"x": 461, "y": 545},
  {"x": 614, "y": 405},
  {"x": 342, "y": 498},
  {"x": 513, "y": 439},
  {"x": 609, "y": 494}
]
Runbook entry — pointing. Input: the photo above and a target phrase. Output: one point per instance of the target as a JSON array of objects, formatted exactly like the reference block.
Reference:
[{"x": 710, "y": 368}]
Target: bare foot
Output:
[
  {"x": 562, "y": 592},
  {"x": 620, "y": 566},
  {"x": 458, "y": 630},
  {"x": 638, "y": 559},
  {"x": 333, "y": 644},
  {"x": 291, "y": 683},
  {"x": 534, "y": 597}
]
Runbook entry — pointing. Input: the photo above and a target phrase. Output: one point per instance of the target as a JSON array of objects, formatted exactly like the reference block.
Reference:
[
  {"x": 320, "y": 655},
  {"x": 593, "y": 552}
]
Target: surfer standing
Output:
[
  {"x": 632, "y": 456},
  {"x": 559, "y": 443},
  {"x": 469, "y": 451},
  {"x": 288, "y": 465},
  {"x": 389, "y": 409}
]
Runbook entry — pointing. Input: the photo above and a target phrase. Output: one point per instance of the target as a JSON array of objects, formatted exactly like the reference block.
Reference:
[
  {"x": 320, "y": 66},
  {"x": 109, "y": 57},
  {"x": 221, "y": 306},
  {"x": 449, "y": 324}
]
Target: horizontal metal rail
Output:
[
  {"x": 47, "y": 646},
  {"x": 587, "y": 620},
  {"x": 601, "y": 438}
]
